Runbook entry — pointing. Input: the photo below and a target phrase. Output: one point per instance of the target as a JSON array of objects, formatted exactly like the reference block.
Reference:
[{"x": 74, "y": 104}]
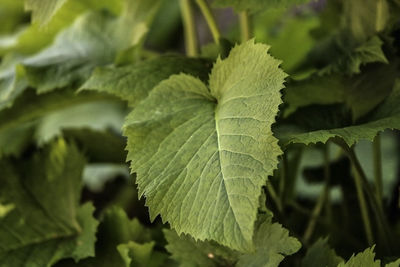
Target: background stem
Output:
[
  {"x": 245, "y": 26},
  {"x": 377, "y": 158},
  {"x": 274, "y": 196},
  {"x": 189, "y": 27},
  {"x": 381, "y": 221},
  {"x": 363, "y": 207},
  {"x": 209, "y": 17},
  {"x": 322, "y": 199}
]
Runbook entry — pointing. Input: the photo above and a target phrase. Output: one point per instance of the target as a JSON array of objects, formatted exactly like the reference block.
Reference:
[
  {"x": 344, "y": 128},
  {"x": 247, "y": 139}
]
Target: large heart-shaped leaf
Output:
[{"x": 202, "y": 154}]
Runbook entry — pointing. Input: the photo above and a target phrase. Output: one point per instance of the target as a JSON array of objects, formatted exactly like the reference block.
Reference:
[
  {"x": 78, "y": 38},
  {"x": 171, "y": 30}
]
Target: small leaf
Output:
[
  {"x": 134, "y": 82},
  {"x": 386, "y": 116},
  {"x": 321, "y": 255},
  {"x": 135, "y": 254},
  {"x": 202, "y": 155},
  {"x": 35, "y": 37},
  {"x": 46, "y": 224},
  {"x": 393, "y": 264},
  {"x": 116, "y": 234},
  {"x": 350, "y": 63},
  {"x": 272, "y": 243},
  {"x": 365, "y": 258},
  {"x": 188, "y": 252},
  {"x": 94, "y": 39}
]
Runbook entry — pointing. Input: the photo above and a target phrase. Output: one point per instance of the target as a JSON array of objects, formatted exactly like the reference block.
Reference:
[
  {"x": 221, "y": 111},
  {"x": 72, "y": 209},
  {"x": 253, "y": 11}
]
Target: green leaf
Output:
[
  {"x": 97, "y": 116},
  {"x": 35, "y": 37},
  {"x": 43, "y": 10},
  {"x": 202, "y": 155},
  {"x": 350, "y": 63},
  {"x": 386, "y": 116},
  {"x": 256, "y": 5},
  {"x": 188, "y": 252},
  {"x": 30, "y": 106},
  {"x": 135, "y": 254},
  {"x": 99, "y": 146},
  {"x": 46, "y": 223},
  {"x": 12, "y": 81},
  {"x": 134, "y": 82},
  {"x": 365, "y": 258},
  {"x": 93, "y": 40},
  {"x": 117, "y": 230},
  {"x": 321, "y": 255},
  {"x": 14, "y": 140},
  {"x": 393, "y": 264},
  {"x": 359, "y": 93},
  {"x": 20, "y": 123},
  {"x": 322, "y": 90},
  {"x": 272, "y": 243}
]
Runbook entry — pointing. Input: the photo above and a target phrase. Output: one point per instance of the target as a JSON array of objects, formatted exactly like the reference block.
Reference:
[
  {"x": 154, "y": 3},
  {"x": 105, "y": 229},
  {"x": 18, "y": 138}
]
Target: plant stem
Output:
[
  {"x": 333, "y": 227},
  {"x": 274, "y": 196},
  {"x": 189, "y": 28},
  {"x": 283, "y": 173},
  {"x": 209, "y": 17},
  {"x": 364, "y": 208},
  {"x": 382, "y": 223},
  {"x": 377, "y": 157},
  {"x": 327, "y": 176},
  {"x": 321, "y": 200},
  {"x": 245, "y": 26}
]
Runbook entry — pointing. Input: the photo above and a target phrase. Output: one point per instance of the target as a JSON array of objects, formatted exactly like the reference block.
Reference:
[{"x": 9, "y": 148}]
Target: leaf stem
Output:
[
  {"x": 282, "y": 176},
  {"x": 377, "y": 157},
  {"x": 321, "y": 200},
  {"x": 245, "y": 26},
  {"x": 274, "y": 196},
  {"x": 382, "y": 223},
  {"x": 189, "y": 27},
  {"x": 363, "y": 207},
  {"x": 209, "y": 17}
]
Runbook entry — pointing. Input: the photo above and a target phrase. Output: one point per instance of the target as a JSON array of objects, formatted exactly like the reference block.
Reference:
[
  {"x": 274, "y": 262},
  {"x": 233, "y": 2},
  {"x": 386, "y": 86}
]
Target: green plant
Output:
[{"x": 275, "y": 144}]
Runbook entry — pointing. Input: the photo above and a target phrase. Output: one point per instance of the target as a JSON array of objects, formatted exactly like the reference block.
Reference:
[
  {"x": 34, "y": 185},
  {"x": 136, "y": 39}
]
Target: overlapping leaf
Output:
[
  {"x": 272, "y": 244},
  {"x": 134, "y": 82},
  {"x": 122, "y": 243},
  {"x": 45, "y": 222},
  {"x": 359, "y": 93},
  {"x": 386, "y": 116},
  {"x": 321, "y": 255},
  {"x": 201, "y": 155},
  {"x": 188, "y": 252},
  {"x": 35, "y": 37},
  {"x": 94, "y": 39}
]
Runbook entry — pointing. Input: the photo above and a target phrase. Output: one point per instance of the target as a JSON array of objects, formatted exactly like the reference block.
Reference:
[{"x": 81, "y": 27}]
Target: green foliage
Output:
[
  {"x": 198, "y": 136},
  {"x": 321, "y": 255},
  {"x": 233, "y": 162},
  {"x": 272, "y": 244},
  {"x": 42, "y": 220},
  {"x": 386, "y": 116},
  {"x": 134, "y": 82}
]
